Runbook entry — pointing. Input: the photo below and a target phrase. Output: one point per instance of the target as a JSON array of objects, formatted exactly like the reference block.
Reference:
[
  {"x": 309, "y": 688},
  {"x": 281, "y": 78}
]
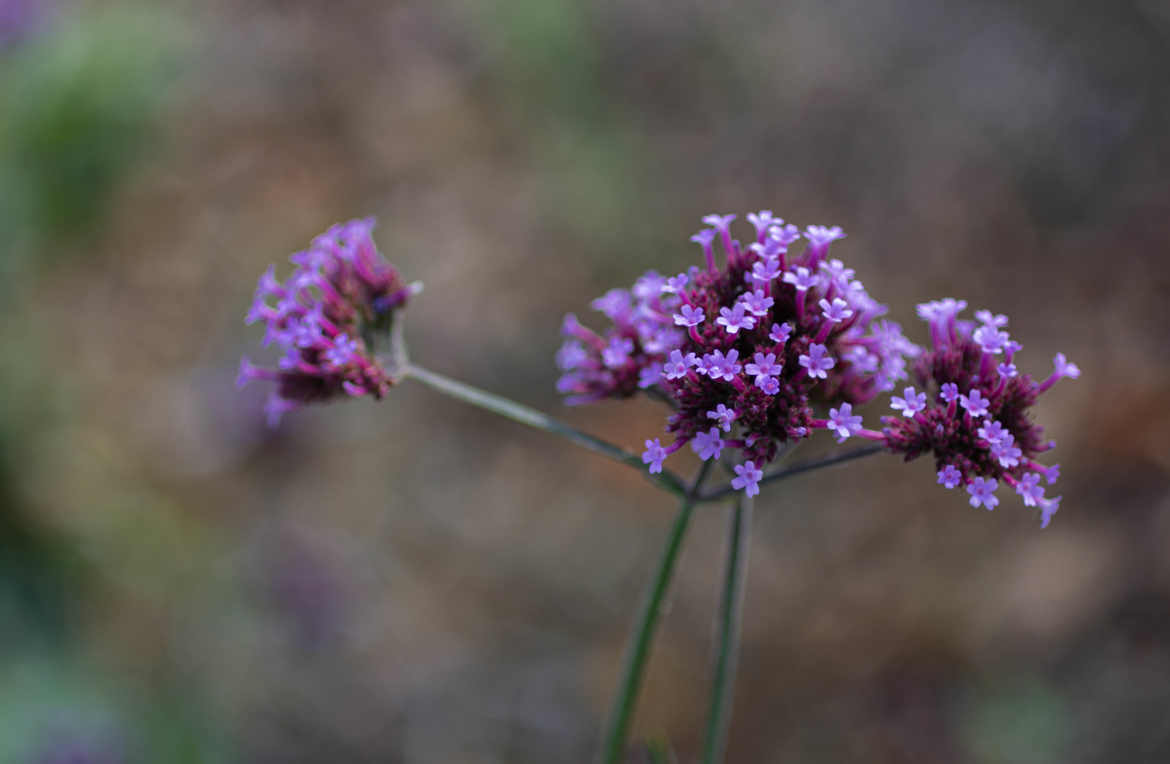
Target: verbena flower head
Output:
[
  {"x": 744, "y": 347},
  {"x": 974, "y": 412},
  {"x": 340, "y": 294}
]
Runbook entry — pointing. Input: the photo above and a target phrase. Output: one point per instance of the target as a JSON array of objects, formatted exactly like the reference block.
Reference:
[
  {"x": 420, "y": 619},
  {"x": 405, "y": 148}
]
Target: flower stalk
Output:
[
  {"x": 730, "y": 617},
  {"x": 634, "y": 669},
  {"x": 531, "y": 417}
]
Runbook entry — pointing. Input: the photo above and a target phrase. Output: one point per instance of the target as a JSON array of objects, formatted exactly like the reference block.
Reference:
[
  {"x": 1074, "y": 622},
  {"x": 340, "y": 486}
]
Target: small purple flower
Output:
[
  {"x": 801, "y": 278},
  {"x": 949, "y": 392},
  {"x": 721, "y": 366},
  {"x": 720, "y": 223},
  {"x": 747, "y": 478},
  {"x": 615, "y": 304},
  {"x": 648, "y": 376},
  {"x": 757, "y": 303},
  {"x": 1007, "y": 369},
  {"x": 836, "y": 311},
  {"x": 817, "y": 361},
  {"x": 676, "y": 284},
  {"x": 780, "y": 333},
  {"x": 992, "y": 340},
  {"x": 975, "y": 403},
  {"x": 982, "y": 492},
  {"x": 734, "y": 319},
  {"x": 689, "y": 316},
  {"x": 571, "y": 355},
  {"x": 723, "y": 417},
  {"x": 836, "y": 270},
  {"x": 764, "y": 365},
  {"x": 1006, "y": 453},
  {"x": 649, "y": 286},
  {"x": 770, "y": 385},
  {"x": 764, "y": 271},
  {"x": 820, "y": 235},
  {"x": 617, "y": 352},
  {"x": 708, "y": 445},
  {"x": 911, "y": 404},
  {"x": 1048, "y": 508},
  {"x": 986, "y": 318},
  {"x": 676, "y": 367},
  {"x": 785, "y": 234},
  {"x": 763, "y": 220},
  {"x": 843, "y": 422},
  {"x": 654, "y": 455},
  {"x": 1064, "y": 368},
  {"x": 1030, "y": 490},
  {"x": 704, "y": 238},
  {"x": 949, "y": 477},
  {"x": 994, "y": 432},
  {"x": 343, "y": 351}
]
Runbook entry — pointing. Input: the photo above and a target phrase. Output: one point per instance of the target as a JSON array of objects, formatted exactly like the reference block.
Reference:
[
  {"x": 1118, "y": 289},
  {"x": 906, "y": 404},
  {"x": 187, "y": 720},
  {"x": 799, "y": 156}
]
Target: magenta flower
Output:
[
  {"x": 817, "y": 361},
  {"x": 747, "y": 478},
  {"x": 844, "y": 422},
  {"x": 763, "y": 220},
  {"x": 909, "y": 405},
  {"x": 735, "y": 318},
  {"x": 982, "y": 491},
  {"x": 766, "y": 270},
  {"x": 340, "y": 289},
  {"x": 764, "y": 365},
  {"x": 708, "y": 445},
  {"x": 948, "y": 476},
  {"x": 801, "y": 278},
  {"x": 780, "y": 333},
  {"x": 757, "y": 303},
  {"x": 975, "y": 403},
  {"x": 689, "y": 316},
  {"x": 677, "y": 366},
  {"x": 723, "y": 417},
  {"x": 837, "y": 310},
  {"x": 654, "y": 455}
]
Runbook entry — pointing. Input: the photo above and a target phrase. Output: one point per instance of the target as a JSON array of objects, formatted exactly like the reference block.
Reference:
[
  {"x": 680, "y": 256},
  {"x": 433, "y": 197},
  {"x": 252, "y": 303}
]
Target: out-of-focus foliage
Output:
[{"x": 78, "y": 95}]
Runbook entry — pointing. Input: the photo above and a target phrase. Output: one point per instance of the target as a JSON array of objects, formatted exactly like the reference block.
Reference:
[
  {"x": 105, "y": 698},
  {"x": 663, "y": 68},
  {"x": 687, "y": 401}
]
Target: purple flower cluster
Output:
[
  {"x": 324, "y": 316},
  {"x": 751, "y": 344},
  {"x": 972, "y": 411}
]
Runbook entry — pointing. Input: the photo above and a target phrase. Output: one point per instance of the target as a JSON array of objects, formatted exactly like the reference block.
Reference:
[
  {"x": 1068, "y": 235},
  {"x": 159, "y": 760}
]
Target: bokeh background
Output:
[{"x": 417, "y": 581}]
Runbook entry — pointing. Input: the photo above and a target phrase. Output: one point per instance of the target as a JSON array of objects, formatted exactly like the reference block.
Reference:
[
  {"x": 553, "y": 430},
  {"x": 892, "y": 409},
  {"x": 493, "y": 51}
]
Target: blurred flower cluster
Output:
[{"x": 326, "y": 316}]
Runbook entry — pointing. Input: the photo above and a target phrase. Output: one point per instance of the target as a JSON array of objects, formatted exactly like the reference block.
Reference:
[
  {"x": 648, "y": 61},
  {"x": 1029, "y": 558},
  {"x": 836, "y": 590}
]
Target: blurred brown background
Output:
[{"x": 420, "y": 582}]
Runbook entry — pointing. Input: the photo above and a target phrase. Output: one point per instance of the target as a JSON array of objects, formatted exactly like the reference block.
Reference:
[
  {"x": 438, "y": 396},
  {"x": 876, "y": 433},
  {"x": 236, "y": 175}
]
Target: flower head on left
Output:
[{"x": 341, "y": 296}]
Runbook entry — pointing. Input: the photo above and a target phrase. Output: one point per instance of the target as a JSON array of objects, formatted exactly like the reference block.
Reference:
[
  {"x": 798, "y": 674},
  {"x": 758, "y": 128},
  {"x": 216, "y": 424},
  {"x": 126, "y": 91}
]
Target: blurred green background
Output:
[{"x": 420, "y": 582}]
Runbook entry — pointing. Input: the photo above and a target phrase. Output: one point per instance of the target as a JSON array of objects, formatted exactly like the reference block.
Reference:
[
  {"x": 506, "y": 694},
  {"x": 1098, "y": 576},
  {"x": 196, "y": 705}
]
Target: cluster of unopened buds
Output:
[
  {"x": 748, "y": 348},
  {"x": 325, "y": 315}
]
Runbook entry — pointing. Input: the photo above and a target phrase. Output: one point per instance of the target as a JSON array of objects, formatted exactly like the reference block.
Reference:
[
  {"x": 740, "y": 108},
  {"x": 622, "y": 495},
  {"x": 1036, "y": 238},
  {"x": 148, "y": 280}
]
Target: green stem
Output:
[
  {"x": 797, "y": 469},
  {"x": 730, "y": 614},
  {"x": 638, "y": 650},
  {"x": 533, "y": 418}
]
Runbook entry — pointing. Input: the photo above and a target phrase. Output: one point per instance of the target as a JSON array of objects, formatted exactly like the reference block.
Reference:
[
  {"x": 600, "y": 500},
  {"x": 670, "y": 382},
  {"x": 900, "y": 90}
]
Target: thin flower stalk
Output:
[
  {"x": 730, "y": 617},
  {"x": 638, "y": 651}
]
